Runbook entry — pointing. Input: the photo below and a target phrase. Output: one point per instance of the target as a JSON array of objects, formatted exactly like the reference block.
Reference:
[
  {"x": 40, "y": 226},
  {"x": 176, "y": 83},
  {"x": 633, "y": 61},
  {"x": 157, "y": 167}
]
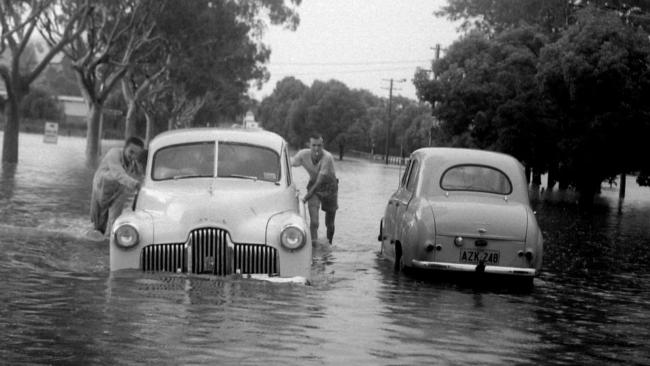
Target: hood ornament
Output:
[{"x": 482, "y": 230}]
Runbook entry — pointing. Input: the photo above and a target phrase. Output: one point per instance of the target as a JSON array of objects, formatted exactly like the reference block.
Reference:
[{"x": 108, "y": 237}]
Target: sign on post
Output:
[{"x": 51, "y": 132}]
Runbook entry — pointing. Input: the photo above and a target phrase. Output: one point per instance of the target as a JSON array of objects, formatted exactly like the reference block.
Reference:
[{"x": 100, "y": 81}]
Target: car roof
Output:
[
  {"x": 453, "y": 156},
  {"x": 442, "y": 158},
  {"x": 255, "y": 136}
]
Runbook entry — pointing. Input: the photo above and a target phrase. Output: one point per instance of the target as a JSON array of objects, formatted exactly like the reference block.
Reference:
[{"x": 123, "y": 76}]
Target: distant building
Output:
[
  {"x": 249, "y": 120},
  {"x": 74, "y": 109}
]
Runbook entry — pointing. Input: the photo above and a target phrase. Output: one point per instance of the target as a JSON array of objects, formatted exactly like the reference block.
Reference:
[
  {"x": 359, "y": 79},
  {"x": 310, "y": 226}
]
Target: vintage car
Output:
[
  {"x": 463, "y": 210},
  {"x": 215, "y": 201}
]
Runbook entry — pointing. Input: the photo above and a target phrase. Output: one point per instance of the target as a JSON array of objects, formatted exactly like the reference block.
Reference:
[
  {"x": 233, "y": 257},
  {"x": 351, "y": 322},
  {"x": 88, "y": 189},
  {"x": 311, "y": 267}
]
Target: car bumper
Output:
[{"x": 459, "y": 267}]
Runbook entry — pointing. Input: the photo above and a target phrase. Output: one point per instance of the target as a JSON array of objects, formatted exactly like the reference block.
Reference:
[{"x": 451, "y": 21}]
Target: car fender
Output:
[
  {"x": 123, "y": 258},
  {"x": 292, "y": 262},
  {"x": 534, "y": 240},
  {"x": 418, "y": 232}
]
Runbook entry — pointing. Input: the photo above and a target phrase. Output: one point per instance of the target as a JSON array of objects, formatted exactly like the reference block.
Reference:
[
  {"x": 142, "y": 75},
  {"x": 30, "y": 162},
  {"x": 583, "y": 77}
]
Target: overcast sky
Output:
[{"x": 358, "y": 42}]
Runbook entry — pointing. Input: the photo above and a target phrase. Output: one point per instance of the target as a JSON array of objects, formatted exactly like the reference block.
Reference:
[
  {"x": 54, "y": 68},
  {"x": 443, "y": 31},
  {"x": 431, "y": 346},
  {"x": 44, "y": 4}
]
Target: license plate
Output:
[{"x": 479, "y": 255}]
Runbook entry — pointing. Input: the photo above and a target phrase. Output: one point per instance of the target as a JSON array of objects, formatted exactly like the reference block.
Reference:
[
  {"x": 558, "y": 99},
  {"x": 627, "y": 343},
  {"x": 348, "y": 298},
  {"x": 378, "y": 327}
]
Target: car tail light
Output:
[{"x": 529, "y": 255}]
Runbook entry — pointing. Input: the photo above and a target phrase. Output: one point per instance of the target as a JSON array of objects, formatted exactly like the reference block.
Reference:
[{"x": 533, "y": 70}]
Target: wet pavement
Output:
[{"x": 61, "y": 305}]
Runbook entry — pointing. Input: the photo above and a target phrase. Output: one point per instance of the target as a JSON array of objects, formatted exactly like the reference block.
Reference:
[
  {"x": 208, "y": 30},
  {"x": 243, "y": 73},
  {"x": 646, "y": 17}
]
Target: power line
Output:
[
  {"x": 344, "y": 71},
  {"x": 364, "y": 63}
]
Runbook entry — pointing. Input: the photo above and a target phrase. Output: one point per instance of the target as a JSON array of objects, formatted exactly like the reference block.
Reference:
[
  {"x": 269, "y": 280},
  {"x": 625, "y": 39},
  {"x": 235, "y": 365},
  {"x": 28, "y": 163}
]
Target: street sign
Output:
[{"x": 51, "y": 132}]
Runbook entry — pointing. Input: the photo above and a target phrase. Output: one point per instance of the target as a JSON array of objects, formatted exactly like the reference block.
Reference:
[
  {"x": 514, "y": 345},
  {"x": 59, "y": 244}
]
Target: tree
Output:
[
  {"x": 204, "y": 71},
  {"x": 19, "y": 20},
  {"x": 274, "y": 109},
  {"x": 486, "y": 94},
  {"x": 552, "y": 16},
  {"x": 327, "y": 107},
  {"x": 598, "y": 77},
  {"x": 116, "y": 31},
  {"x": 496, "y": 16},
  {"x": 59, "y": 79}
]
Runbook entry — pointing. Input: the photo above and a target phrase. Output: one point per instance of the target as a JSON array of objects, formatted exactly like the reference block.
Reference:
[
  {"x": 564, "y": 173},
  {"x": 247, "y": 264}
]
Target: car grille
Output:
[
  {"x": 210, "y": 254},
  {"x": 164, "y": 257},
  {"x": 250, "y": 258},
  {"x": 207, "y": 251}
]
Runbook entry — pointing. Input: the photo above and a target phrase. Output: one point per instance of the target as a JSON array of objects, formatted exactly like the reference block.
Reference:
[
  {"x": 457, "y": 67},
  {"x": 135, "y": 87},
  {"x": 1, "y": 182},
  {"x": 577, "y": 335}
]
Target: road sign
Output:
[{"x": 51, "y": 132}]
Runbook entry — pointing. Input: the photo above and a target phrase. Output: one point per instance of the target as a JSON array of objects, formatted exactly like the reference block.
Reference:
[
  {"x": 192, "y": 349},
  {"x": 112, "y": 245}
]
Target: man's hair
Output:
[
  {"x": 135, "y": 141},
  {"x": 315, "y": 135}
]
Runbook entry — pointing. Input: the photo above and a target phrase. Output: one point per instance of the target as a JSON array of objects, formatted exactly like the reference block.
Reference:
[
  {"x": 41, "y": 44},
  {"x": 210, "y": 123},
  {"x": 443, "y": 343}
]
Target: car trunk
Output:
[{"x": 490, "y": 232}]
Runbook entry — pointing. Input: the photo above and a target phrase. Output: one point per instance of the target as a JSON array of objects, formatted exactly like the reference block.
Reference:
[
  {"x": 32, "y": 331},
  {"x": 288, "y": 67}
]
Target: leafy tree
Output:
[
  {"x": 274, "y": 109},
  {"x": 116, "y": 31},
  {"x": 327, "y": 107},
  {"x": 39, "y": 104},
  {"x": 18, "y": 22},
  {"x": 486, "y": 94},
  {"x": 552, "y": 16},
  {"x": 204, "y": 72},
  {"x": 489, "y": 16},
  {"x": 59, "y": 79},
  {"x": 598, "y": 78}
]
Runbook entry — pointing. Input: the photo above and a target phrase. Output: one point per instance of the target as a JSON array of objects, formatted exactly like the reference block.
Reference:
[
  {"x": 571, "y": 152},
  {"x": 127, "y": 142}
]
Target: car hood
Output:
[
  {"x": 502, "y": 220},
  {"x": 243, "y": 208}
]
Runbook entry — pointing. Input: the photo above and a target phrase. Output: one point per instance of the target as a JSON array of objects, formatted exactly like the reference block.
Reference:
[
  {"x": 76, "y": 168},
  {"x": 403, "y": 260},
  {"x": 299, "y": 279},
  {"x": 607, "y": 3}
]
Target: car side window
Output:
[
  {"x": 406, "y": 174},
  {"x": 413, "y": 176}
]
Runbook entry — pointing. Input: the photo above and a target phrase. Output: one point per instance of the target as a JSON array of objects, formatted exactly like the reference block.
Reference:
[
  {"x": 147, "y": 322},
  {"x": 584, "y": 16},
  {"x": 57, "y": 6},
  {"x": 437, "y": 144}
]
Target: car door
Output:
[
  {"x": 403, "y": 200},
  {"x": 391, "y": 219}
]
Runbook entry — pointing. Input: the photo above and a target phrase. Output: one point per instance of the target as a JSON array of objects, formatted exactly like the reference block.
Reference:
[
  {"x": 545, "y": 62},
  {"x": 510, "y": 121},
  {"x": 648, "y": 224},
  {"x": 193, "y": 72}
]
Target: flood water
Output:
[{"x": 59, "y": 304}]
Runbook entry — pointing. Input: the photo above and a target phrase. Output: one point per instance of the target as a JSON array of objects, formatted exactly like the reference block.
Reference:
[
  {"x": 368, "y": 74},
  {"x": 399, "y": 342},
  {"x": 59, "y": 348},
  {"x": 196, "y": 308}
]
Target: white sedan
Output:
[
  {"x": 463, "y": 210},
  {"x": 215, "y": 201}
]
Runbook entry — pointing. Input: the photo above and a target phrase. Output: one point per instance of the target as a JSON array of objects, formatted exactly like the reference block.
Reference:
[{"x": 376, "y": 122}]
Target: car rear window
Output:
[
  {"x": 237, "y": 160},
  {"x": 184, "y": 161},
  {"x": 477, "y": 178}
]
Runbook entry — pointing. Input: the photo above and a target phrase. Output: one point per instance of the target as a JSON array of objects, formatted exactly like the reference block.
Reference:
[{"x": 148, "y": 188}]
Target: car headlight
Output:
[
  {"x": 126, "y": 236},
  {"x": 292, "y": 237}
]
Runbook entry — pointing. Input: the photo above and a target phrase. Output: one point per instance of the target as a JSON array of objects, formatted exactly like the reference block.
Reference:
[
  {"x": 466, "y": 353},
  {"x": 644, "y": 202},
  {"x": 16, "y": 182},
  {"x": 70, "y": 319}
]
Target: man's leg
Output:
[
  {"x": 329, "y": 223},
  {"x": 313, "y": 205}
]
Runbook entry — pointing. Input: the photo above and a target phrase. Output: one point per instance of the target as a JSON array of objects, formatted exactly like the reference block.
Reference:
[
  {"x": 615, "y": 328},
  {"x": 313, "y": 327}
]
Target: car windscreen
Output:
[
  {"x": 477, "y": 178},
  {"x": 244, "y": 161},
  {"x": 184, "y": 161}
]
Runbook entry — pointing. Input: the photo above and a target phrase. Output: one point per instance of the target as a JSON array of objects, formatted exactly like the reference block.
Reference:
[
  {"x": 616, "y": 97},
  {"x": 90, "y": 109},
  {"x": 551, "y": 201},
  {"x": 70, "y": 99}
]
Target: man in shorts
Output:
[{"x": 323, "y": 186}]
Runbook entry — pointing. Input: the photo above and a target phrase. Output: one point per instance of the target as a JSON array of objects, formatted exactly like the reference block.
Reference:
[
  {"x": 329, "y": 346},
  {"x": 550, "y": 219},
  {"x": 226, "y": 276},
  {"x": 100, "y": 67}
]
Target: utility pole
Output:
[
  {"x": 390, "y": 105},
  {"x": 437, "y": 49}
]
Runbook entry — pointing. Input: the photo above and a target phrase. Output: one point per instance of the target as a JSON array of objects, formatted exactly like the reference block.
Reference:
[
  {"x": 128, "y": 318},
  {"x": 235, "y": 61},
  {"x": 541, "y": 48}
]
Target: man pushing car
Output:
[{"x": 322, "y": 188}]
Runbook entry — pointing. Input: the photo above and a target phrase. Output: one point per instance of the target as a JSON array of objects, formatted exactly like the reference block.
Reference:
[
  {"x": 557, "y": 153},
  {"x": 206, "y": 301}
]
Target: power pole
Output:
[
  {"x": 437, "y": 49},
  {"x": 390, "y": 105}
]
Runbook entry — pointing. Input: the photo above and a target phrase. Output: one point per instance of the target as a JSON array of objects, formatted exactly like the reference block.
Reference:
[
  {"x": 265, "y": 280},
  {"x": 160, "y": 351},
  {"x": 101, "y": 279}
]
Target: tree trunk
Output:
[
  {"x": 93, "y": 136},
  {"x": 621, "y": 188},
  {"x": 131, "y": 115},
  {"x": 12, "y": 123},
  {"x": 149, "y": 128},
  {"x": 537, "y": 178}
]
